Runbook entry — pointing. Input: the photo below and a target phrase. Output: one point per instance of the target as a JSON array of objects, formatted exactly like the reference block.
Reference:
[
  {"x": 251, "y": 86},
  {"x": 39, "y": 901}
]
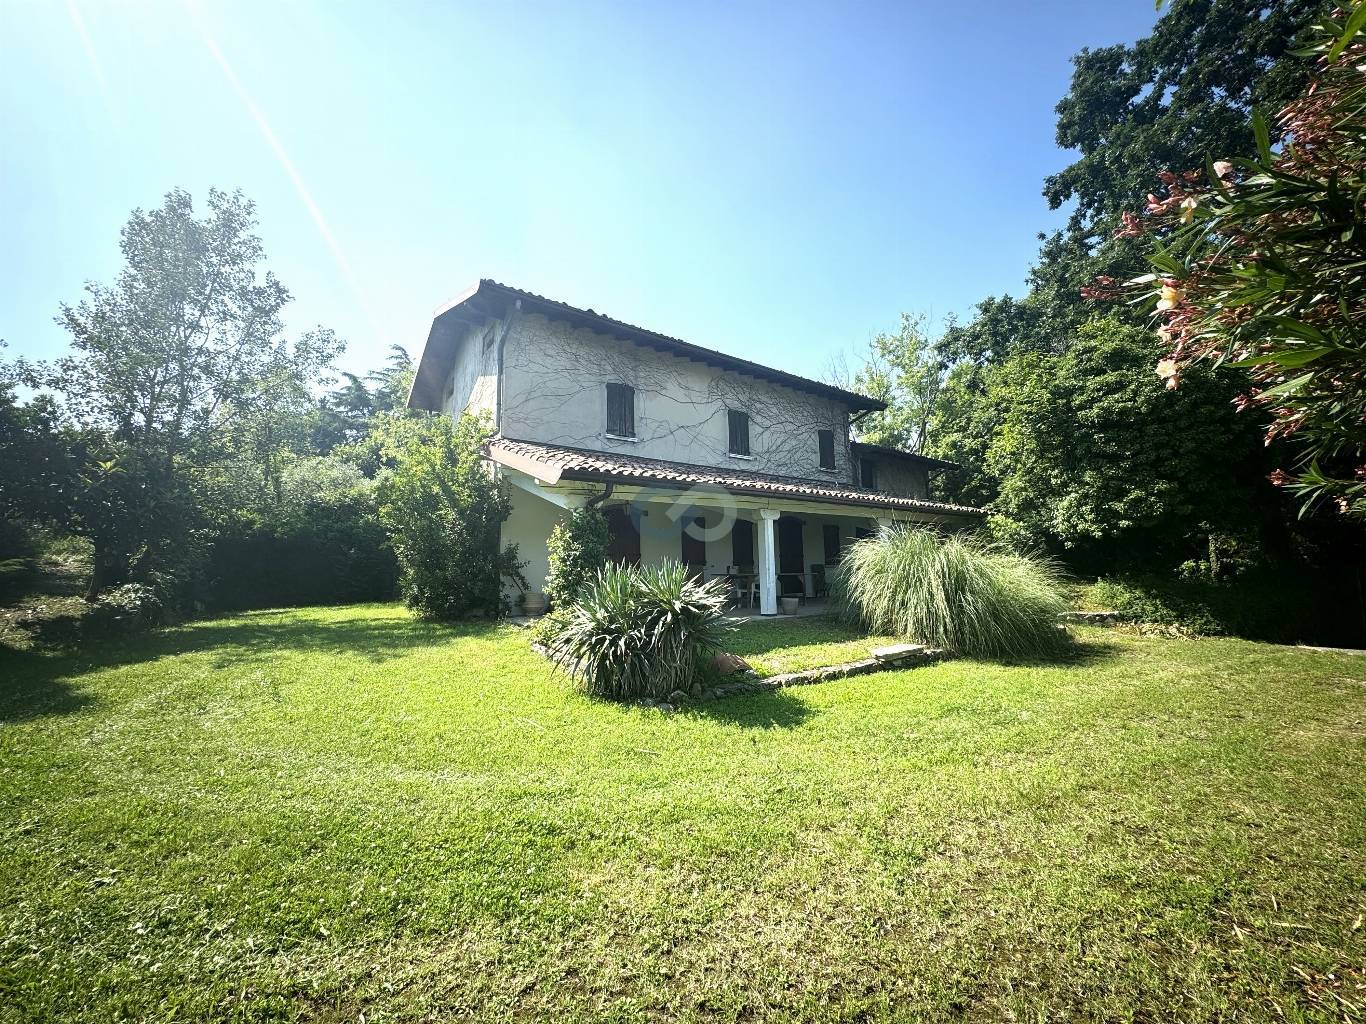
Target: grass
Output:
[
  {"x": 333, "y": 812},
  {"x": 952, "y": 592},
  {"x": 775, "y": 646}
]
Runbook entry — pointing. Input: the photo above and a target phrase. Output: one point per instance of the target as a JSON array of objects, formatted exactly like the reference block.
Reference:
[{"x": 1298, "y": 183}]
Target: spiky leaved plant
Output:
[
  {"x": 639, "y": 632},
  {"x": 960, "y": 594}
]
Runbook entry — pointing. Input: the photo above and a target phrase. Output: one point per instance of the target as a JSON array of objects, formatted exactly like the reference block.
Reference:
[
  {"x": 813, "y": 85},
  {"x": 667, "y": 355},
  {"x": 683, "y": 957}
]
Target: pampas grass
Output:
[{"x": 962, "y": 595}]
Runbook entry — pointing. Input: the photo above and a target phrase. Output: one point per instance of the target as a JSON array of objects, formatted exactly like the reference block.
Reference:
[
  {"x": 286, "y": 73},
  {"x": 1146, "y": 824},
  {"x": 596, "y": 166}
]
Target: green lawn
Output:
[
  {"x": 334, "y": 812},
  {"x": 774, "y": 646}
]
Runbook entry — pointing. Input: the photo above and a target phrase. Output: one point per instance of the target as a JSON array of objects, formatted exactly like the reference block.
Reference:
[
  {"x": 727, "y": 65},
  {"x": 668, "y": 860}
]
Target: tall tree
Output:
[
  {"x": 180, "y": 352},
  {"x": 902, "y": 370},
  {"x": 1170, "y": 100}
]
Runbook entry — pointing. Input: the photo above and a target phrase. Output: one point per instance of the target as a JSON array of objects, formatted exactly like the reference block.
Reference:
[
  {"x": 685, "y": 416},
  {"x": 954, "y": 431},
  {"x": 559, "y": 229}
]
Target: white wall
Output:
[
  {"x": 473, "y": 382},
  {"x": 554, "y": 390},
  {"x": 529, "y": 528}
]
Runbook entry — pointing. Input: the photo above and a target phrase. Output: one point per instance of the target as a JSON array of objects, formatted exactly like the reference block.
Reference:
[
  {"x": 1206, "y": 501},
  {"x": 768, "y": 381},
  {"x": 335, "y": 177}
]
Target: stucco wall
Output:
[
  {"x": 554, "y": 390},
  {"x": 473, "y": 381},
  {"x": 901, "y": 477}
]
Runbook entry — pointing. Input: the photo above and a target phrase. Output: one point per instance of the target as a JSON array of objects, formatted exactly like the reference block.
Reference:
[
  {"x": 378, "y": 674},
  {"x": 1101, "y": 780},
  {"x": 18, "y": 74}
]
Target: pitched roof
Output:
[
  {"x": 555, "y": 462},
  {"x": 489, "y": 298},
  {"x": 897, "y": 453}
]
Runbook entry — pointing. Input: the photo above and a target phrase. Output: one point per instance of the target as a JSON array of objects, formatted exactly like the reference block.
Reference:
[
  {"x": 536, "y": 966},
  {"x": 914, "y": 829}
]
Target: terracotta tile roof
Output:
[{"x": 581, "y": 464}]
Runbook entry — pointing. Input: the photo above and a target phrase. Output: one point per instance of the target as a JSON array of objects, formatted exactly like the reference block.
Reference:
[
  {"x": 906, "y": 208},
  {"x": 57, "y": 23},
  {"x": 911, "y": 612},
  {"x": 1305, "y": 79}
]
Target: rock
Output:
[
  {"x": 727, "y": 664},
  {"x": 697, "y": 691},
  {"x": 678, "y": 697},
  {"x": 665, "y": 708},
  {"x": 895, "y": 652}
]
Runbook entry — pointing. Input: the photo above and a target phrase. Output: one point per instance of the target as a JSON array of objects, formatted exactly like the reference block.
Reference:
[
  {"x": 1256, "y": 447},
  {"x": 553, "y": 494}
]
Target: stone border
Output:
[
  {"x": 1095, "y": 618},
  {"x": 903, "y": 656}
]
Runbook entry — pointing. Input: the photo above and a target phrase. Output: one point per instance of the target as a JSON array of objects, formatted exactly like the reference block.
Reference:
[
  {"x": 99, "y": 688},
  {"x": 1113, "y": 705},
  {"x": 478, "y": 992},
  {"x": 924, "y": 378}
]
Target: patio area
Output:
[{"x": 814, "y": 606}]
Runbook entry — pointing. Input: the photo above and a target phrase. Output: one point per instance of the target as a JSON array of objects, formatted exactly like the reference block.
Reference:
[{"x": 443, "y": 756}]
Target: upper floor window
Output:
[
  {"x": 621, "y": 410},
  {"x": 867, "y": 471},
  {"x": 739, "y": 432},
  {"x": 826, "y": 441}
]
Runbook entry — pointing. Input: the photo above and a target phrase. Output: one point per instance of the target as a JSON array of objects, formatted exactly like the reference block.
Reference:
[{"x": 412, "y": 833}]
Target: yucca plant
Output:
[
  {"x": 639, "y": 632},
  {"x": 959, "y": 594}
]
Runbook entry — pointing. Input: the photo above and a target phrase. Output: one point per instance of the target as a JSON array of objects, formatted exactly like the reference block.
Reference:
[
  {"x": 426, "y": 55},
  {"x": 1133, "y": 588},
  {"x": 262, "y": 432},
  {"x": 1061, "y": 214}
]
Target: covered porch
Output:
[{"x": 765, "y": 547}]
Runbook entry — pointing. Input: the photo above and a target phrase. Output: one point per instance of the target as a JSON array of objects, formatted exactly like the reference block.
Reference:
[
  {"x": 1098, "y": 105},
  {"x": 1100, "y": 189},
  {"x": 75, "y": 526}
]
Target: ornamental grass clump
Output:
[
  {"x": 638, "y": 632},
  {"x": 961, "y": 595}
]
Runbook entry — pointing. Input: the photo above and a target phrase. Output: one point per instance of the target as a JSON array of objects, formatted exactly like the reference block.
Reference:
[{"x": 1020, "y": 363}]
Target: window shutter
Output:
[
  {"x": 621, "y": 410},
  {"x": 826, "y": 439},
  {"x": 739, "y": 431}
]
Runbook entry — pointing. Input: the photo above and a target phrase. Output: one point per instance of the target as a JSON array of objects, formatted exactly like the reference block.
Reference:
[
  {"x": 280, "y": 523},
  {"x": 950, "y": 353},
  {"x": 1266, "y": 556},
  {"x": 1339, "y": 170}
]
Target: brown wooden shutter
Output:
[
  {"x": 621, "y": 410},
  {"x": 739, "y": 431}
]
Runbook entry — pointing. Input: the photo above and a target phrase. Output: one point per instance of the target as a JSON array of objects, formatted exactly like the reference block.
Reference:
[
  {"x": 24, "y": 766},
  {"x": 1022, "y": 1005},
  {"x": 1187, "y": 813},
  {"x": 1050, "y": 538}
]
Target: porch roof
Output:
[{"x": 555, "y": 462}]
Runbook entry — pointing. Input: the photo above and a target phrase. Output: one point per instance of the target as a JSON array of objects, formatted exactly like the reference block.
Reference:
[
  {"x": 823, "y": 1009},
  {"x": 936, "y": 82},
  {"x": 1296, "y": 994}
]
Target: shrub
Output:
[
  {"x": 577, "y": 550},
  {"x": 961, "y": 594},
  {"x": 638, "y": 632},
  {"x": 444, "y": 510},
  {"x": 125, "y": 608},
  {"x": 1280, "y": 605},
  {"x": 320, "y": 542}
]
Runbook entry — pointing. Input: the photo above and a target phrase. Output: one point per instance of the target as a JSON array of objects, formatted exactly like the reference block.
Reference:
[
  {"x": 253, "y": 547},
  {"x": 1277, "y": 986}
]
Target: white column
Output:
[{"x": 768, "y": 562}]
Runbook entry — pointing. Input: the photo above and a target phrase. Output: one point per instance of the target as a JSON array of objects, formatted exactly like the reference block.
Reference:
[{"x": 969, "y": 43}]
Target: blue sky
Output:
[{"x": 775, "y": 180}]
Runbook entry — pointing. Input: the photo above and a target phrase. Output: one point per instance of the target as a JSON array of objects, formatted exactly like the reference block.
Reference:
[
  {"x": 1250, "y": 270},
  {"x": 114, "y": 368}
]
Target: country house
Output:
[{"x": 736, "y": 469}]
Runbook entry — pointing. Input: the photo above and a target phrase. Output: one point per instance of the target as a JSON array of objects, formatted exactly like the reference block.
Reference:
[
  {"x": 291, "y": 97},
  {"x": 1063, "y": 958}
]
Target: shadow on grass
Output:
[
  {"x": 1080, "y": 654},
  {"x": 39, "y": 682},
  {"x": 778, "y": 709}
]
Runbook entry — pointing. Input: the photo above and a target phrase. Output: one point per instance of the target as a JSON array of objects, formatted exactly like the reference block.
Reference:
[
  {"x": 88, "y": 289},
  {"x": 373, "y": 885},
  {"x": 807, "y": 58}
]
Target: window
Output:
[
  {"x": 831, "y": 535},
  {"x": 868, "y": 474},
  {"x": 739, "y": 432},
  {"x": 621, "y": 410},
  {"x": 826, "y": 441}
]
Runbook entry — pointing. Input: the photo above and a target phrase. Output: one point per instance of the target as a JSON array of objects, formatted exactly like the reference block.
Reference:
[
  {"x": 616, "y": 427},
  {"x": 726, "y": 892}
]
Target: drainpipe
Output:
[
  {"x": 598, "y": 499},
  {"x": 502, "y": 345}
]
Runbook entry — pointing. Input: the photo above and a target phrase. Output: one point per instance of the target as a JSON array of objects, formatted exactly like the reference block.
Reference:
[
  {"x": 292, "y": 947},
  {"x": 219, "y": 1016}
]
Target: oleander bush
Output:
[
  {"x": 958, "y": 593},
  {"x": 638, "y": 632}
]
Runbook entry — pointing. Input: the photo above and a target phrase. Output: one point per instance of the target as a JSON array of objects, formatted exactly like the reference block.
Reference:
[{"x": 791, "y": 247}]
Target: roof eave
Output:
[{"x": 599, "y": 476}]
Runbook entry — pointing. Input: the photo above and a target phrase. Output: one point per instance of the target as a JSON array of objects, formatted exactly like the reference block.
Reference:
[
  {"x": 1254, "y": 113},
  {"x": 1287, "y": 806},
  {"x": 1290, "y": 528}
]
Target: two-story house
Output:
[{"x": 731, "y": 467}]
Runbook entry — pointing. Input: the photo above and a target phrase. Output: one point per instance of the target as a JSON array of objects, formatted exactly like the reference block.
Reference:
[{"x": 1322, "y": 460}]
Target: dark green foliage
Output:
[
  {"x": 1278, "y": 605},
  {"x": 953, "y": 592},
  {"x": 577, "y": 549},
  {"x": 1171, "y": 99},
  {"x": 640, "y": 632},
  {"x": 321, "y": 543},
  {"x": 444, "y": 512},
  {"x": 1095, "y": 457}
]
